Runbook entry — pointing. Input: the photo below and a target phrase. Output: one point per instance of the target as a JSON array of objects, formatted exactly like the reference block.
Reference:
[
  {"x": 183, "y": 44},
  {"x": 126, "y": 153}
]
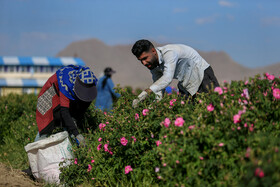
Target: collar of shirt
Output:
[{"x": 160, "y": 61}]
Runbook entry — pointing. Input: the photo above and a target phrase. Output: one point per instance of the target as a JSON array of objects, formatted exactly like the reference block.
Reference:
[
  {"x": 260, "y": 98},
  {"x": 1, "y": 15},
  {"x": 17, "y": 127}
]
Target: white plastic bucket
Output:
[{"x": 45, "y": 155}]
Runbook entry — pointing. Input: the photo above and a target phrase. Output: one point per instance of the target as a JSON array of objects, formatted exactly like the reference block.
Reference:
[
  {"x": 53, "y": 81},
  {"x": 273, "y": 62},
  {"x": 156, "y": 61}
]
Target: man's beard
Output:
[{"x": 153, "y": 63}]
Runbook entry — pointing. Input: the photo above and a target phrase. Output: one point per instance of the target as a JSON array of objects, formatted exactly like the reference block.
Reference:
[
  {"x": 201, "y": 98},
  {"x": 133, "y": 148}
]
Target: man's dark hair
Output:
[{"x": 141, "y": 46}]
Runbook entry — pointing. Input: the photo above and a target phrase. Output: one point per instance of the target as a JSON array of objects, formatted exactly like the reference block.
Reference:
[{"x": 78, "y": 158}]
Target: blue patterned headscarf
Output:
[{"x": 67, "y": 75}]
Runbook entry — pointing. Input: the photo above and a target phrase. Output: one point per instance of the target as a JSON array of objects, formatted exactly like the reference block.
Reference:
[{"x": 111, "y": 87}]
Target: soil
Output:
[{"x": 14, "y": 177}]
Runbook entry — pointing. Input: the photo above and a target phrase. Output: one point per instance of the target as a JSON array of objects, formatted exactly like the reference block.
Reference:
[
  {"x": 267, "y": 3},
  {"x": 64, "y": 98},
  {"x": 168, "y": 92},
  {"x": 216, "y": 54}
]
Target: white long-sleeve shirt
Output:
[{"x": 177, "y": 61}]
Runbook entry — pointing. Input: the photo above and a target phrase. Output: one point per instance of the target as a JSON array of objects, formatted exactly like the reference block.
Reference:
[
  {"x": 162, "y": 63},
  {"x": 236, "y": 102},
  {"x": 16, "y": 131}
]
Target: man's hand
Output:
[
  {"x": 141, "y": 97},
  {"x": 80, "y": 140}
]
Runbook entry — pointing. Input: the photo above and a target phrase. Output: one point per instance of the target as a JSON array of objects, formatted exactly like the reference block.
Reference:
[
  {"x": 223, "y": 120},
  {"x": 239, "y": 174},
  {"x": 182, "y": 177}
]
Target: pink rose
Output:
[
  {"x": 191, "y": 127},
  {"x": 106, "y": 147},
  {"x": 246, "y": 93},
  {"x": 179, "y": 122},
  {"x": 210, "y": 107},
  {"x": 172, "y": 102},
  {"x": 145, "y": 112},
  {"x": 166, "y": 122},
  {"x": 201, "y": 158},
  {"x": 269, "y": 77},
  {"x": 236, "y": 118},
  {"x": 134, "y": 139},
  {"x": 99, "y": 139},
  {"x": 221, "y": 144},
  {"x": 99, "y": 147},
  {"x": 219, "y": 90},
  {"x": 136, "y": 116},
  {"x": 259, "y": 173},
  {"x": 127, "y": 169},
  {"x": 102, "y": 126},
  {"x": 158, "y": 142},
  {"x": 89, "y": 167},
  {"x": 92, "y": 161},
  {"x": 76, "y": 161},
  {"x": 276, "y": 93},
  {"x": 124, "y": 141}
]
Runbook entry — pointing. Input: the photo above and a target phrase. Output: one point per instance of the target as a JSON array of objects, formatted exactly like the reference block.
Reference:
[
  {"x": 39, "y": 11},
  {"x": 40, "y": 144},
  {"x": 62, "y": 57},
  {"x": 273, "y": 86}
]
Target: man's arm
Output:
[{"x": 170, "y": 60}]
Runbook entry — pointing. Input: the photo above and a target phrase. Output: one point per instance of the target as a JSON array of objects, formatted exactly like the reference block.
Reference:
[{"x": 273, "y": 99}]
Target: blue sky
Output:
[{"x": 248, "y": 30}]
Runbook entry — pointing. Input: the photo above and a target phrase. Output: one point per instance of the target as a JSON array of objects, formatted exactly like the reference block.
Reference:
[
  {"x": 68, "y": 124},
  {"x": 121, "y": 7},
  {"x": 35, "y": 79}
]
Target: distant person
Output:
[
  {"x": 64, "y": 99},
  {"x": 174, "y": 61},
  {"x": 105, "y": 91}
]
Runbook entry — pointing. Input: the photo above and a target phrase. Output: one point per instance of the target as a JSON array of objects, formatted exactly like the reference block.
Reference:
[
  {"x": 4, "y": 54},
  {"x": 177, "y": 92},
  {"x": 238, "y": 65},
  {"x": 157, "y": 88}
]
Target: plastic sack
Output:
[{"x": 45, "y": 155}]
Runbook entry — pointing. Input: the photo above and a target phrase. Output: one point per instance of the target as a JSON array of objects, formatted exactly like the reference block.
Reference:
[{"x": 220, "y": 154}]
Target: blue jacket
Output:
[{"x": 104, "y": 100}]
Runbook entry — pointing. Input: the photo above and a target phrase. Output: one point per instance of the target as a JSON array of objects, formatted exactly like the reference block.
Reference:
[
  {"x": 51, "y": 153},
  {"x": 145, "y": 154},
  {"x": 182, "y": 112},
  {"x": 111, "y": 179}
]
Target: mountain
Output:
[{"x": 130, "y": 72}]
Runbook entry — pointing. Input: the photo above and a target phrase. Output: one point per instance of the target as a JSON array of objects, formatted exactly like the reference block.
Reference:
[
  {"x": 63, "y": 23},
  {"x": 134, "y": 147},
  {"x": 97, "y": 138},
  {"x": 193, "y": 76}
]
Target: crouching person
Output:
[
  {"x": 61, "y": 103},
  {"x": 64, "y": 99}
]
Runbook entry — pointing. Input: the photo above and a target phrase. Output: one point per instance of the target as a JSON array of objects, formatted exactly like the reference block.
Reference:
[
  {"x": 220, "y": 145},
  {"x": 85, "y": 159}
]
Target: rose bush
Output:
[
  {"x": 229, "y": 137},
  {"x": 175, "y": 143}
]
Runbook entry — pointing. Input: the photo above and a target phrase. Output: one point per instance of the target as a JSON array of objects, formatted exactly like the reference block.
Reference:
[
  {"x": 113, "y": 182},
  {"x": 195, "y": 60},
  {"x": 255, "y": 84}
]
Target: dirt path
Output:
[{"x": 13, "y": 177}]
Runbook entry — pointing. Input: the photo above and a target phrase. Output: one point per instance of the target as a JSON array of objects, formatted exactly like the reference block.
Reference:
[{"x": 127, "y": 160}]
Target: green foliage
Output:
[
  {"x": 235, "y": 144},
  {"x": 18, "y": 128}
]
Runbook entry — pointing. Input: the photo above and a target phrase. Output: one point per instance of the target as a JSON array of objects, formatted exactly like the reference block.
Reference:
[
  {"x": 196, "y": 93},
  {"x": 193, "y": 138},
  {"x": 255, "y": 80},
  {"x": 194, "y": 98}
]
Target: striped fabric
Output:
[
  {"x": 34, "y": 83},
  {"x": 40, "y": 61}
]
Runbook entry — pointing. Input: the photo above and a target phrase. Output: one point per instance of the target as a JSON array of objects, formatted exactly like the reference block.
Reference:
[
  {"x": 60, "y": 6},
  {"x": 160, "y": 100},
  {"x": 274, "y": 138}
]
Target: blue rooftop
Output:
[{"x": 40, "y": 61}]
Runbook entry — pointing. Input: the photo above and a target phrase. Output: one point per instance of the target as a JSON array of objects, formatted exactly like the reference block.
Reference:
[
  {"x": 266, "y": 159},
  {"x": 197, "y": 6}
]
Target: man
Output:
[{"x": 174, "y": 61}]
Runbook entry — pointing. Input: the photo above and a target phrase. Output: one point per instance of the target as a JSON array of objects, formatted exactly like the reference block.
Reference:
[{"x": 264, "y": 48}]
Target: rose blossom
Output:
[
  {"x": 259, "y": 173},
  {"x": 145, "y": 112},
  {"x": 99, "y": 139},
  {"x": 127, "y": 169},
  {"x": 219, "y": 90},
  {"x": 158, "y": 142},
  {"x": 134, "y": 139},
  {"x": 210, "y": 107},
  {"x": 246, "y": 93},
  {"x": 269, "y": 77},
  {"x": 276, "y": 93},
  {"x": 124, "y": 141},
  {"x": 99, "y": 147},
  {"x": 106, "y": 147},
  {"x": 136, "y": 116},
  {"x": 171, "y": 102},
  {"x": 236, "y": 118},
  {"x": 89, "y": 167},
  {"x": 102, "y": 126},
  {"x": 221, "y": 144},
  {"x": 179, "y": 122},
  {"x": 191, "y": 127},
  {"x": 166, "y": 122}
]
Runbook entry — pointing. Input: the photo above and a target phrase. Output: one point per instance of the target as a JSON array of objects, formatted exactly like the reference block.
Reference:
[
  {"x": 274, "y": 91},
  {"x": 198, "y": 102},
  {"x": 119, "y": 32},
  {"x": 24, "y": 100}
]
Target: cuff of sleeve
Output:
[{"x": 154, "y": 88}]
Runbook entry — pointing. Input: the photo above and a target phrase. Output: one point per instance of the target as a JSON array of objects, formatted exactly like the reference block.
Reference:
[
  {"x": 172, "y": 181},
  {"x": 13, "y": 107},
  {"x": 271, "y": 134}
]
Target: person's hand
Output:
[
  {"x": 141, "y": 97},
  {"x": 80, "y": 140}
]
